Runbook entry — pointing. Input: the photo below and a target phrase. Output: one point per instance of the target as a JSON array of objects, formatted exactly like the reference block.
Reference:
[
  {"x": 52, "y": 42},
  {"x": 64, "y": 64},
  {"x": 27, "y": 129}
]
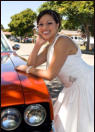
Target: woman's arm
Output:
[
  {"x": 62, "y": 49},
  {"x": 35, "y": 59}
]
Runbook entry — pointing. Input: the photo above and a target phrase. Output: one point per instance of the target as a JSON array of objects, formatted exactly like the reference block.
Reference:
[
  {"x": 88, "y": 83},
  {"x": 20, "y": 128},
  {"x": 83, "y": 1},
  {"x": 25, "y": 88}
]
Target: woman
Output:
[{"x": 73, "y": 110}]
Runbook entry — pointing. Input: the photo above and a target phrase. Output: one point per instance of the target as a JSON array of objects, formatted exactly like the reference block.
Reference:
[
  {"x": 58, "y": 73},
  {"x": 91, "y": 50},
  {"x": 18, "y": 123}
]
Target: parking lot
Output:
[
  {"x": 55, "y": 85},
  {"x": 26, "y": 48}
]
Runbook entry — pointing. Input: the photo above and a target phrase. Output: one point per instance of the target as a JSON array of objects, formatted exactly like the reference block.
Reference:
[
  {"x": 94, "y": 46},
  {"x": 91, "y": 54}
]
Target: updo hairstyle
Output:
[{"x": 52, "y": 13}]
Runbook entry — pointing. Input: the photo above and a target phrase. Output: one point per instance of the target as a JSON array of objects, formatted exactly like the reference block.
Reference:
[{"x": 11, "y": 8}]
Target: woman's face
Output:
[{"x": 47, "y": 27}]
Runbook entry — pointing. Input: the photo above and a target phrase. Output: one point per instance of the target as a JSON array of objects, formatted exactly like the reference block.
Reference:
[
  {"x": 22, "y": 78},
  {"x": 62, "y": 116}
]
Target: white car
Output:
[
  {"x": 78, "y": 40},
  {"x": 91, "y": 42}
]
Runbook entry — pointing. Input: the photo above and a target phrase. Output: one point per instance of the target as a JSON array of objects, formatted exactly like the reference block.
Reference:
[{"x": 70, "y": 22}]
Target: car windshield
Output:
[{"x": 4, "y": 45}]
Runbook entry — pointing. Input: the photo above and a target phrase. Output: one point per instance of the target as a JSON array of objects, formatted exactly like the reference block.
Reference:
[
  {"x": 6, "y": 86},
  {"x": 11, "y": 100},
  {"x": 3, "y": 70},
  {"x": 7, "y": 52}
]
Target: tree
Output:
[
  {"x": 6, "y": 30},
  {"x": 78, "y": 14},
  {"x": 81, "y": 14},
  {"x": 2, "y": 27},
  {"x": 22, "y": 23}
]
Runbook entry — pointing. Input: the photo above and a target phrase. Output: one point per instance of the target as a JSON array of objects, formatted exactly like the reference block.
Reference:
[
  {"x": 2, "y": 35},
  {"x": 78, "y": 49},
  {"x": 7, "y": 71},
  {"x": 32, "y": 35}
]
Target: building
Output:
[
  {"x": 8, "y": 34},
  {"x": 71, "y": 33}
]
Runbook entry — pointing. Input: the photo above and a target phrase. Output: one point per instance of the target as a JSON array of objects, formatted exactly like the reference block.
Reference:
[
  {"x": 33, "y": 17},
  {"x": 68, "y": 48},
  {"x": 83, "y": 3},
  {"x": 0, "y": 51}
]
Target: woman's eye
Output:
[
  {"x": 40, "y": 24},
  {"x": 49, "y": 23}
]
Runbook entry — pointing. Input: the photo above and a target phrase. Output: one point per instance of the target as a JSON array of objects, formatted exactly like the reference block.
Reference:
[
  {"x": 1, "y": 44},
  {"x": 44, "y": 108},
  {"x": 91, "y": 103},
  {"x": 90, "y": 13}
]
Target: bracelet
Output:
[{"x": 28, "y": 68}]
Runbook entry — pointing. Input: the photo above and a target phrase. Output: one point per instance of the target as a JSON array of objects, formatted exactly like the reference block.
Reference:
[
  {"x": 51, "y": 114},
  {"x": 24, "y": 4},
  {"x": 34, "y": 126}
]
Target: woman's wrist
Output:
[
  {"x": 38, "y": 46},
  {"x": 28, "y": 69},
  {"x": 36, "y": 49}
]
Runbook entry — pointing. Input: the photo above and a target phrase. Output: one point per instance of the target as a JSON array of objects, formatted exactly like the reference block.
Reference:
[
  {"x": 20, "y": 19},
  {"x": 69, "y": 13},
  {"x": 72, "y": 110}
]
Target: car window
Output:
[
  {"x": 80, "y": 38},
  {"x": 4, "y": 46}
]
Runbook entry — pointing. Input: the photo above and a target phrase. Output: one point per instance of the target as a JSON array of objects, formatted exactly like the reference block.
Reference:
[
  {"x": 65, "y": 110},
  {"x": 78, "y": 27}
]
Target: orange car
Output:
[{"x": 25, "y": 101}]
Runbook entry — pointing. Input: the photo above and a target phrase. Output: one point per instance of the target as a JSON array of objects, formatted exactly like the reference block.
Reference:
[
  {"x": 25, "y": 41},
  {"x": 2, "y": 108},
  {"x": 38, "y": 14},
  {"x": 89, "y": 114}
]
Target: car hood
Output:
[{"x": 20, "y": 88}]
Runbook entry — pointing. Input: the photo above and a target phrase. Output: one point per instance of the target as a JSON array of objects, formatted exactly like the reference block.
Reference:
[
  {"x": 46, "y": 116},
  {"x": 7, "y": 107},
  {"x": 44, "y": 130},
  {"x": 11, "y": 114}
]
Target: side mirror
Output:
[{"x": 16, "y": 47}]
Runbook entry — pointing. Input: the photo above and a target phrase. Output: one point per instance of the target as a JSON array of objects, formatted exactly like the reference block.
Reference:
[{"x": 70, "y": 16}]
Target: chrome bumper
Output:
[{"x": 53, "y": 128}]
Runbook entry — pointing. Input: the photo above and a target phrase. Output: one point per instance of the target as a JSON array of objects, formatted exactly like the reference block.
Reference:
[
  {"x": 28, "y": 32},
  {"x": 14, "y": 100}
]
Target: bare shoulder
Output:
[{"x": 66, "y": 44}]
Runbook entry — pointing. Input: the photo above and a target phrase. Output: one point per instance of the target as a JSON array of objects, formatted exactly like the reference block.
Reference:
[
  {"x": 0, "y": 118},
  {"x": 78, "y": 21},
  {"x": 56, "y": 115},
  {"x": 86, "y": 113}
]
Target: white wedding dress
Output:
[{"x": 74, "y": 108}]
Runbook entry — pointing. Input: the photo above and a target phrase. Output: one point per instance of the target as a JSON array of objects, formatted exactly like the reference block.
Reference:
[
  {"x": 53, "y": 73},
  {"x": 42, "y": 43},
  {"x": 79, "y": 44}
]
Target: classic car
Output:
[{"x": 25, "y": 101}]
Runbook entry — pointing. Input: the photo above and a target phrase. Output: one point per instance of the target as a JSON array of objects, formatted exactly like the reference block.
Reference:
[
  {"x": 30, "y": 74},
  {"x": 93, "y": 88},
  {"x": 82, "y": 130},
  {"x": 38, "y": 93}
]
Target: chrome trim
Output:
[{"x": 53, "y": 128}]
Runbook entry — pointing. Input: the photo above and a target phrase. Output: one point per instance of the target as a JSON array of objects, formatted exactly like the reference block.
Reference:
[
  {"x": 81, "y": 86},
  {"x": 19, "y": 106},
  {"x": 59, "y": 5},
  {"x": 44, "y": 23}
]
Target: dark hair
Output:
[{"x": 52, "y": 13}]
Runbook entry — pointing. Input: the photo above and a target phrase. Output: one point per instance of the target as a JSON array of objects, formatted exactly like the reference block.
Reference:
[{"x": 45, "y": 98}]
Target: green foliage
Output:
[
  {"x": 23, "y": 22},
  {"x": 2, "y": 26},
  {"x": 78, "y": 13},
  {"x": 6, "y": 30}
]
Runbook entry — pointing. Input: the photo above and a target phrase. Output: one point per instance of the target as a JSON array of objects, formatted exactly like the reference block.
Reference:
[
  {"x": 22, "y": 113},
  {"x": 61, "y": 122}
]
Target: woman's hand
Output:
[
  {"x": 33, "y": 57},
  {"x": 21, "y": 68},
  {"x": 40, "y": 40}
]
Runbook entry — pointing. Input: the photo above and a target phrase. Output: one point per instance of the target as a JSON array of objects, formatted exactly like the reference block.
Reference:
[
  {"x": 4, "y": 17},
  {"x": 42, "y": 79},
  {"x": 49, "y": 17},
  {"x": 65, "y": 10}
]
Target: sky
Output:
[{"x": 10, "y": 8}]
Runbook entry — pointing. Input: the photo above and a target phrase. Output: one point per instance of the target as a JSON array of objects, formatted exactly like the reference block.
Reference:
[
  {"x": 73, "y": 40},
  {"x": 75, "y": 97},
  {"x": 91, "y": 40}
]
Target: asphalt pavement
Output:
[{"x": 54, "y": 86}]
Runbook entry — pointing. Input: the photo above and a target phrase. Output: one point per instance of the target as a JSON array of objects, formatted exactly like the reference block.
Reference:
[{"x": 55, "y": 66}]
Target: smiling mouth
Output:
[{"x": 46, "y": 32}]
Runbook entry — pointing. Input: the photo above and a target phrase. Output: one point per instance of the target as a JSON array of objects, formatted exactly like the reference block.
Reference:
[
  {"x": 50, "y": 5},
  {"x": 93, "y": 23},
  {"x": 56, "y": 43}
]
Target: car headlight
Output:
[
  {"x": 10, "y": 119},
  {"x": 35, "y": 115}
]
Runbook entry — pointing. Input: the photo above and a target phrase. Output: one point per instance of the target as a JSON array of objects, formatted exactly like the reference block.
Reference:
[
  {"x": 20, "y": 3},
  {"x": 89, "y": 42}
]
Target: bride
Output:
[{"x": 74, "y": 108}]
